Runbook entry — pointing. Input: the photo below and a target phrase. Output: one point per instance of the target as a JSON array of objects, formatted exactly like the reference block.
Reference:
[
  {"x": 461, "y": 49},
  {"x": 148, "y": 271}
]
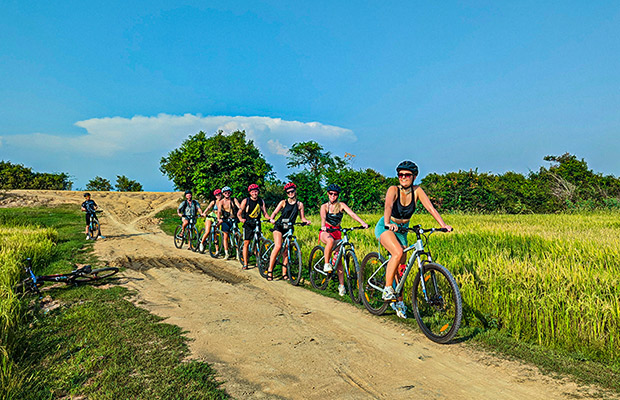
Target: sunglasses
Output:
[
  {"x": 400, "y": 175},
  {"x": 290, "y": 191},
  {"x": 332, "y": 193}
]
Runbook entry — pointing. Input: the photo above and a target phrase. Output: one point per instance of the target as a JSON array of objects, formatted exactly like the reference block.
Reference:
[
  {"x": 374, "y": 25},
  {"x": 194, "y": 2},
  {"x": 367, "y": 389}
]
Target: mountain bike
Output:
[
  {"x": 255, "y": 246},
  {"x": 213, "y": 241},
  {"x": 94, "y": 229},
  {"x": 294, "y": 262},
  {"x": 235, "y": 239},
  {"x": 189, "y": 235},
  {"x": 435, "y": 296},
  {"x": 350, "y": 267},
  {"x": 80, "y": 275}
]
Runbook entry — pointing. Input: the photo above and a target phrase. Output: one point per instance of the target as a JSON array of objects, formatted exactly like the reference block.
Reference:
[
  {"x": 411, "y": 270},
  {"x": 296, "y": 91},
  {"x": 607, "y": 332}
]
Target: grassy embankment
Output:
[
  {"x": 541, "y": 288},
  {"x": 96, "y": 343}
]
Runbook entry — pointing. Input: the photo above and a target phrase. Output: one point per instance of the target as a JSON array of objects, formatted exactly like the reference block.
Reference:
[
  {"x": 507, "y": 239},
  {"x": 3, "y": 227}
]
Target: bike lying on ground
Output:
[
  {"x": 80, "y": 275},
  {"x": 189, "y": 235},
  {"x": 94, "y": 229},
  {"x": 435, "y": 296},
  {"x": 344, "y": 252},
  {"x": 294, "y": 265}
]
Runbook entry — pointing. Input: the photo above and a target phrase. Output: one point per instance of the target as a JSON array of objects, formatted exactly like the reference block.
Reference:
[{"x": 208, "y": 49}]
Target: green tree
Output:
[
  {"x": 124, "y": 184},
  {"x": 17, "y": 176},
  {"x": 99, "y": 184},
  {"x": 362, "y": 190},
  {"x": 311, "y": 156},
  {"x": 203, "y": 163}
]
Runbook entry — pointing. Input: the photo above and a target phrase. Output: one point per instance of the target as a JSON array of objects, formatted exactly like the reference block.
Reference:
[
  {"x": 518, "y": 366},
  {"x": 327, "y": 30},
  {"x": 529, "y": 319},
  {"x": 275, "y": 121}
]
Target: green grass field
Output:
[
  {"x": 543, "y": 288},
  {"x": 96, "y": 344}
]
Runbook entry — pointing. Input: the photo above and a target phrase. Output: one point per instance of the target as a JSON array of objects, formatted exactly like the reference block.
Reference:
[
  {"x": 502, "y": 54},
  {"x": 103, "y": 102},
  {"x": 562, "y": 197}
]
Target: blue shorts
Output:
[{"x": 380, "y": 228}]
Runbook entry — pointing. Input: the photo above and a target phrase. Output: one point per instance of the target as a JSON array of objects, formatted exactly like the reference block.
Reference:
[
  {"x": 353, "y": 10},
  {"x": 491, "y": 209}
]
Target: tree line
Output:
[{"x": 204, "y": 163}]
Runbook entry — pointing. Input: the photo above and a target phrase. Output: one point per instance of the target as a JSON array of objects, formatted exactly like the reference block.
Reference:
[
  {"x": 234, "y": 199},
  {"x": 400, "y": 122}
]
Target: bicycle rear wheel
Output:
[
  {"x": 265, "y": 253},
  {"x": 353, "y": 266},
  {"x": 318, "y": 278},
  {"x": 178, "y": 238},
  {"x": 371, "y": 296},
  {"x": 439, "y": 317},
  {"x": 95, "y": 275},
  {"x": 295, "y": 265},
  {"x": 215, "y": 243}
]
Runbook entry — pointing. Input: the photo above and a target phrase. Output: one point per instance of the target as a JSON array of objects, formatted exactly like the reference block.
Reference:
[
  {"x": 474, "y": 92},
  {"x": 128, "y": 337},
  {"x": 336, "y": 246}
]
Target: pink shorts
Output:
[{"x": 337, "y": 235}]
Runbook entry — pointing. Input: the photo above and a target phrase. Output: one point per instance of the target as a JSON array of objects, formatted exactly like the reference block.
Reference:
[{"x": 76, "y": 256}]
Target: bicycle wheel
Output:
[
  {"x": 193, "y": 238},
  {"x": 239, "y": 247},
  {"x": 95, "y": 275},
  {"x": 371, "y": 296},
  {"x": 215, "y": 243},
  {"x": 318, "y": 278},
  {"x": 27, "y": 286},
  {"x": 265, "y": 252},
  {"x": 94, "y": 234},
  {"x": 295, "y": 265},
  {"x": 439, "y": 317},
  {"x": 255, "y": 252},
  {"x": 353, "y": 266},
  {"x": 178, "y": 239}
]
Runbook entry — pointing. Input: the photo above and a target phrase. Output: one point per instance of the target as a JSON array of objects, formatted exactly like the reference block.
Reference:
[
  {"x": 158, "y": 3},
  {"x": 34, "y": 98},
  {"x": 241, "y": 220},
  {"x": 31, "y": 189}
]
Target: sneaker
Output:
[
  {"x": 388, "y": 293},
  {"x": 101, "y": 237},
  {"x": 400, "y": 308},
  {"x": 201, "y": 247},
  {"x": 341, "y": 290},
  {"x": 327, "y": 267},
  {"x": 226, "y": 255}
]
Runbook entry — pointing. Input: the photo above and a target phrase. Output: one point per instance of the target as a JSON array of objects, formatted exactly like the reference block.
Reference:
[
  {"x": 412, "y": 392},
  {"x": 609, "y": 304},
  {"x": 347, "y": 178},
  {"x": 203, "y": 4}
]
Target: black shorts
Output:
[
  {"x": 248, "y": 229},
  {"x": 280, "y": 228},
  {"x": 89, "y": 216}
]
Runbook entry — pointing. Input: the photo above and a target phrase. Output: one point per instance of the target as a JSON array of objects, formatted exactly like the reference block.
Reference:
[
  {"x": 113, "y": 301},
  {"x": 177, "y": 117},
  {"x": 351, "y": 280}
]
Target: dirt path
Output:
[{"x": 272, "y": 340}]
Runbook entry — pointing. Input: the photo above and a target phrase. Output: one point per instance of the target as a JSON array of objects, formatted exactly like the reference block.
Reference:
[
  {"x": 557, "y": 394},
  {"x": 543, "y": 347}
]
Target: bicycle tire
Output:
[
  {"x": 315, "y": 267},
  {"x": 371, "y": 297},
  {"x": 215, "y": 243},
  {"x": 193, "y": 238},
  {"x": 178, "y": 239},
  {"x": 265, "y": 253},
  {"x": 239, "y": 247},
  {"x": 27, "y": 286},
  {"x": 353, "y": 266},
  {"x": 95, "y": 230},
  {"x": 94, "y": 275},
  {"x": 295, "y": 264},
  {"x": 440, "y": 318}
]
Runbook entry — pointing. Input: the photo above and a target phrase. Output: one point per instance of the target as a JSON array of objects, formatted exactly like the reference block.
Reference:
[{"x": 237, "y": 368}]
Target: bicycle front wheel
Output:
[
  {"x": 27, "y": 285},
  {"x": 318, "y": 278},
  {"x": 353, "y": 266},
  {"x": 95, "y": 275},
  {"x": 372, "y": 282},
  {"x": 295, "y": 265},
  {"x": 94, "y": 230},
  {"x": 179, "y": 239},
  {"x": 438, "y": 313},
  {"x": 215, "y": 243},
  {"x": 265, "y": 252},
  {"x": 194, "y": 238}
]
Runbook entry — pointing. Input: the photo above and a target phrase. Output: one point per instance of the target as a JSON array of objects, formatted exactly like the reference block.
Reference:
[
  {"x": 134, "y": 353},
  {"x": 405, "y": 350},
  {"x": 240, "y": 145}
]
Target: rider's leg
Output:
[
  {"x": 277, "y": 245},
  {"x": 329, "y": 245},
  {"x": 246, "y": 244},
  {"x": 395, "y": 248}
]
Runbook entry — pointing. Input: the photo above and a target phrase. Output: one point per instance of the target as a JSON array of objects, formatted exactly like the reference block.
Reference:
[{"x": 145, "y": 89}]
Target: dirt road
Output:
[{"x": 272, "y": 340}]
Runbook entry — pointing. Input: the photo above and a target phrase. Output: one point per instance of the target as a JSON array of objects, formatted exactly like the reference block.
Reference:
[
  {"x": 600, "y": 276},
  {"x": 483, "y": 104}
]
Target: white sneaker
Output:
[
  {"x": 327, "y": 267},
  {"x": 341, "y": 290},
  {"x": 388, "y": 293},
  {"x": 201, "y": 247},
  {"x": 400, "y": 308},
  {"x": 226, "y": 255}
]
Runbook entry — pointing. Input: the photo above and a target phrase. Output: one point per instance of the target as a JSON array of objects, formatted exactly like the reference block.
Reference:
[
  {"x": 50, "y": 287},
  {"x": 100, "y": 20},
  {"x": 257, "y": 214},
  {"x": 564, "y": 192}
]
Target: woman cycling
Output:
[
  {"x": 331, "y": 216},
  {"x": 227, "y": 213},
  {"x": 400, "y": 204},
  {"x": 208, "y": 221},
  {"x": 290, "y": 208}
]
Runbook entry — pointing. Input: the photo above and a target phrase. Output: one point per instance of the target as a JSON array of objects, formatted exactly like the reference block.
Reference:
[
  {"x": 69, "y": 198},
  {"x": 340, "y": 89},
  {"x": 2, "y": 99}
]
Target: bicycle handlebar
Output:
[
  {"x": 341, "y": 229},
  {"x": 419, "y": 230}
]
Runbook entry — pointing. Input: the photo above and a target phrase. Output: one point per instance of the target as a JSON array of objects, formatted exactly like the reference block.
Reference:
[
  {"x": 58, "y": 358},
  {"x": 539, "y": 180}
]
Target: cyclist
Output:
[
  {"x": 226, "y": 213},
  {"x": 290, "y": 208},
  {"x": 249, "y": 213},
  {"x": 89, "y": 206},
  {"x": 212, "y": 205},
  {"x": 188, "y": 209},
  {"x": 400, "y": 202},
  {"x": 331, "y": 216}
]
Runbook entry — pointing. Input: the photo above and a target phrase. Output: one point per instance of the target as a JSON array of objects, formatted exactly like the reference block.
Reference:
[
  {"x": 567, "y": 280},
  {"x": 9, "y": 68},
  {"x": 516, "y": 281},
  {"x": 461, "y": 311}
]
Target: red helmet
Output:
[
  {"x": 217, "y": 191},
  {"x": 289, "y": 186},
  {"x": 253, "y": 186}
]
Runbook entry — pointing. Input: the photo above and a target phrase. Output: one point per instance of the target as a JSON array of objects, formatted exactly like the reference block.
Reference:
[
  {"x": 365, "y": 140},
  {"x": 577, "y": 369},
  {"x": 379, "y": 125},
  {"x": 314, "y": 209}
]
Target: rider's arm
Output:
[
  {"x": 426, "y": 202},
  {"x": 323, "y": 214},
  {"x": 219, "y": 210},
  {"x": 240, "y": 211},
  {"x": 277, "y": 210},
  {"x": 390, "y": 197},
  {"x": 264, "y": 208},
  {"x": 301, "y": 213},
  {"x": 209, "y": 206},
  {"x": 353, "y": 215}
]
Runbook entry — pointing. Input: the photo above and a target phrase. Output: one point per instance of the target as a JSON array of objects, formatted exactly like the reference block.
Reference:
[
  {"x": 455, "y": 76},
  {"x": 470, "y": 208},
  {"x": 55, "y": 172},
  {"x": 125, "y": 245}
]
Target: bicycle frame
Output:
[{"x": 343, "y": 245}]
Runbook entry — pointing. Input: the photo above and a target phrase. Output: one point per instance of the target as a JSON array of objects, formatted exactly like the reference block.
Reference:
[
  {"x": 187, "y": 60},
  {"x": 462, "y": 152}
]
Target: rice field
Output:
[{"x": 552, "y": 280}]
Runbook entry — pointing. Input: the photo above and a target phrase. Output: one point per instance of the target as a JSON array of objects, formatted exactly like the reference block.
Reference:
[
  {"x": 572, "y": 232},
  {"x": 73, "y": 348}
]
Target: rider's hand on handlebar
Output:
[
  {"x": 448, "y": 227},
  {"x": 365, "y": 225},
  {"x": 392, "y": 227}
]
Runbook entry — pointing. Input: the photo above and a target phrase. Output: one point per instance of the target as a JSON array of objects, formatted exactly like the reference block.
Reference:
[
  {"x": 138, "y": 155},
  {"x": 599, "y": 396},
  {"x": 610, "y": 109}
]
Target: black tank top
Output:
[
  {"x": 403, "y": 212},
  {"x": 289, "y": 212},
  {"x": 252, "y": 208},
  {"x": 334, "y": 219}
]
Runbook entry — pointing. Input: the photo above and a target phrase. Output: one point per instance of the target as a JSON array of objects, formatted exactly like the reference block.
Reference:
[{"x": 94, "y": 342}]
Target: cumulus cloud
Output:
[{"x": 277, "y": 148}]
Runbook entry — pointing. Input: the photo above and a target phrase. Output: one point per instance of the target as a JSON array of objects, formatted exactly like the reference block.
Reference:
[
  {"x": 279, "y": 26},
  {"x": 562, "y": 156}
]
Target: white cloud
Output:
[{"x": 277, "y": 148}]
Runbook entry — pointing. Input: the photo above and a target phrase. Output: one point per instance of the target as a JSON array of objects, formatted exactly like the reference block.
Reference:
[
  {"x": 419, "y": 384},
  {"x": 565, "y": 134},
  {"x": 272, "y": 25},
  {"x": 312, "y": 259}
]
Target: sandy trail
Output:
[{"x": 272, "y": 340}]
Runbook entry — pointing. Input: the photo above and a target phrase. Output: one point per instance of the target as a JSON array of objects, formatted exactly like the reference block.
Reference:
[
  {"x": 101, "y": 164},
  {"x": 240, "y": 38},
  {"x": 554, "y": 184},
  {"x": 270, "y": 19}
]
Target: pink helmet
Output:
[
  {"x": 217, "y": 191},
  {"x": 253, "y": 186},
  {"x": 289, "y": 186}
]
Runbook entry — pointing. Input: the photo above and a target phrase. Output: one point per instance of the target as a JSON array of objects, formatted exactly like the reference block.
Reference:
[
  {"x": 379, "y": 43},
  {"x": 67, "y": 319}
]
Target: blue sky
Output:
[{"x": 108, "y": 88}]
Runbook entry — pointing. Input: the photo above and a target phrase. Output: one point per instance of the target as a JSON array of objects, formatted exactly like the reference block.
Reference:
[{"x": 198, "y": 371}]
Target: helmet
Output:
[
  {"x": 289, "y": 186},
  {"x": 334, "y": 188},
  {"x": 217, "y": 191},
  {"x": 253, "y": 186},
  {"x": 226, "y": 189},
  {"x": 86, "y": 194},
  {"x": 408, "y": 166},
  {"x": 188, "y": 191}
]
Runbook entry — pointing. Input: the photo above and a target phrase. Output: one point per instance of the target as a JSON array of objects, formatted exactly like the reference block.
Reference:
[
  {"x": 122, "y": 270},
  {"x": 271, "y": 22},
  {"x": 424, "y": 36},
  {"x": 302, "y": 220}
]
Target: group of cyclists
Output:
[{"x": 400, "y": 203}]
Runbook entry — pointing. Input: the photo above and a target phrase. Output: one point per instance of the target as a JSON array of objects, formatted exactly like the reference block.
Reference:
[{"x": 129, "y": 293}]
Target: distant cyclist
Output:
[
  {"x": 249, "y": 213},
  {"x": 189, "y": 209},
  {"x": 212, "y": 205},
  {"x": 331, "y": 217},
  {"x": 227, "y": 209},
  {"x": 89, "y": 206},
  {"x": 291, "y": 207},
  {"x": 400, "y": 202}
]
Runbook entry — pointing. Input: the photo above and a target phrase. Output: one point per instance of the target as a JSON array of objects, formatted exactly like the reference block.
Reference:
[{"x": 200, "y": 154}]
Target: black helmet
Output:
[
  {"x": 86, "y": 194},
  {"x": 188, "y": 191},
  {"x": 408, "y": 166},
  {"x": 334, "y": 188}
]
